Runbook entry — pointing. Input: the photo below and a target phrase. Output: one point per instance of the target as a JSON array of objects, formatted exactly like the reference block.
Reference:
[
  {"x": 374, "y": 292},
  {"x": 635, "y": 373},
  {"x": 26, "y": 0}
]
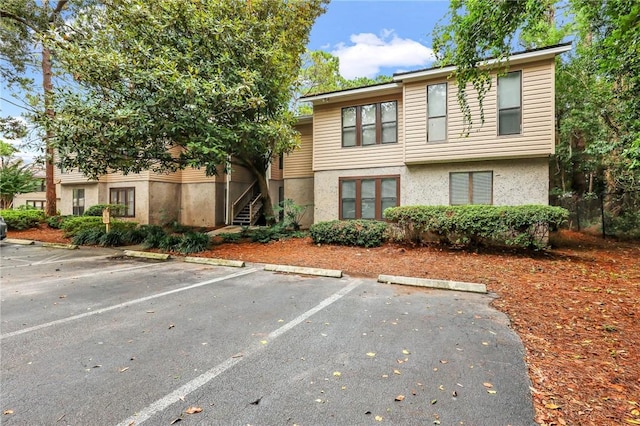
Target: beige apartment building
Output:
[
  {"x": 369, "y": 148},
  {"x": 403, "y": 143}
]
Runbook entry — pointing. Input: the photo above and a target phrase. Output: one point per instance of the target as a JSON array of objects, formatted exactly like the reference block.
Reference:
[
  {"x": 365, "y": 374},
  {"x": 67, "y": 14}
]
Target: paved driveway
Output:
[{"x": 88, "y": 339}]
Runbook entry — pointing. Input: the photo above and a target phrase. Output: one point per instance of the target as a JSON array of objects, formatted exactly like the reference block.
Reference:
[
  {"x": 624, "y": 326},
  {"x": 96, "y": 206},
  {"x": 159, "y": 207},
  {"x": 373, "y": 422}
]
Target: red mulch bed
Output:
[{"x": 576, "y": 308}]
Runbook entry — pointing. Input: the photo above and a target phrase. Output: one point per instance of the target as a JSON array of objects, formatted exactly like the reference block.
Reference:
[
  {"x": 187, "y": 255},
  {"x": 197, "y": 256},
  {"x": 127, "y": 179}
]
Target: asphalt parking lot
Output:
[{"x": 92, "y": 339}]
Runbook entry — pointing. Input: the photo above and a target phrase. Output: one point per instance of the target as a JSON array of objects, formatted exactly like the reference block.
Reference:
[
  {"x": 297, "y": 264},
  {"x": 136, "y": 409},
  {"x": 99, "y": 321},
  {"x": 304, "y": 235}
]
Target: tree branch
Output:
[{"x": 14, "y": 17}]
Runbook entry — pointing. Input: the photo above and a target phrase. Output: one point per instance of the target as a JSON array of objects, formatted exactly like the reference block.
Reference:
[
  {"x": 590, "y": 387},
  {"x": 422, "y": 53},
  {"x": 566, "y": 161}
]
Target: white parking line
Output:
[
  {"x": 125, "y": 304},
  {"x": 48, "y": 261},
  {"x": 205, "y": 378}
]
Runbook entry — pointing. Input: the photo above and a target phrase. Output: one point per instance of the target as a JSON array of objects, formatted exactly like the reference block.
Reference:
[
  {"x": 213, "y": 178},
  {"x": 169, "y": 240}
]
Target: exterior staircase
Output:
[{"x": 250, "y": 212}]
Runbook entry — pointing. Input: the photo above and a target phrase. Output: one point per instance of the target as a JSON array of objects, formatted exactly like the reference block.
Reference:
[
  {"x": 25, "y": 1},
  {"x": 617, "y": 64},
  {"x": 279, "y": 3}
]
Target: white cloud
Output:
[{"x": 367, "y": 53}]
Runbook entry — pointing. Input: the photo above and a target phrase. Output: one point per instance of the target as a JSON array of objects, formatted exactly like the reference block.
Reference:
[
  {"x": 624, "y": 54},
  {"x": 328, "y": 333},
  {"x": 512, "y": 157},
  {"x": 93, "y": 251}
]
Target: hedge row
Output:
[
  {"x": 18, "y": 220},
  {"x": 522, "y": 226},
  {"x": 363, "y": 233}
]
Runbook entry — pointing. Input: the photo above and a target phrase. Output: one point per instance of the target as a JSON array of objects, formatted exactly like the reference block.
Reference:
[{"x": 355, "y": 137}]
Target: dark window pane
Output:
[
  {"x": 509, "y": 121},
  {"x": 389, "y": 133}
]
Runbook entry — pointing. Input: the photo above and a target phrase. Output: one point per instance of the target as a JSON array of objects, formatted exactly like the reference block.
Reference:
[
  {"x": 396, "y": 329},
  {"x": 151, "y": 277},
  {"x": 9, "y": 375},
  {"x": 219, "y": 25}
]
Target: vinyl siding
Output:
[
  {"x": 299, "y": 162},
  {"x": 328, "y": 153},
  {"x": 483, "y": 142}
]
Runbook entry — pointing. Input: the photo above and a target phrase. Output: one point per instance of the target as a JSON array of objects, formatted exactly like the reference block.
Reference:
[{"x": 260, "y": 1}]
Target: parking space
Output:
[{"x": 88, "y": 338}]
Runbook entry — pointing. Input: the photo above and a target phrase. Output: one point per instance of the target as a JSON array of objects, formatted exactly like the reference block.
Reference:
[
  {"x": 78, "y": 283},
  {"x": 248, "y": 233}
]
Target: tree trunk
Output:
[
  {"x": 48, "y": 110},
  {"x": 266, "y": 196}
]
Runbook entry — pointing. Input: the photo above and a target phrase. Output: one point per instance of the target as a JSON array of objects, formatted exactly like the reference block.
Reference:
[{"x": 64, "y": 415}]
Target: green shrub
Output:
[
  {"x": 96, "y": 209},
  {"x": 134, "y": 236},
  {"x": 22, "y": 219},
  {"x": 153, "y": 235},
  {"x": 625, "y": 226},
  {"x": 362, "y": 233},
  {"x": 72, "y": 225},
  {"x": 193, "y": 242},
  {"x": 114, "y": 238},
  {"x": 88, "y": 236},
  {"x": 522, "y": 226},
  {"x": 292, "y": 213},
  {"x": 264, "y": 235},
  {"x": 230, "y": 237},
  {"x": 56, "y": 221},
  {"x": 170, "y": 242}
]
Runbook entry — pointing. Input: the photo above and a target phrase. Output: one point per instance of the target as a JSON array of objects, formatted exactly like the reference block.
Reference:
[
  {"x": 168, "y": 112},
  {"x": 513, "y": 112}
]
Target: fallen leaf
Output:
[
  {"x": 343, "y": 388},
  {"x": 406, "y": 352},
  {"x": 492, "y": 392},
  {"x": 5, "y": 412},
  {"x": 632, "y": 421},
  {"x": 151, "y": 312},
  {"x": 441, "y": 387},
  {"x": 400, "y": 361},
  {"x": 552, "y": 406},
  {"x": 413, "y": 392},
  {"x": 63, "y": 296},
  {"x": 396, "y": 372},
  {"x": 171, "y": 326},
  {"x": 238, "y": 355},
  {"x": 193, "y": 410},
  {"x": 336, "y": 373},
  {"x": 399, "y": 397},
  {"x": 485, "y": 343},
  {"x": 433, "y": 401},
  {"x": 264, "y": 342},
  {"x": 318, "y": 400},
  {"x": 256, "y": 402},
  {"x": 280, "y": 320},
  {"x": 371, "y": 354},
  {"x": 97, "y": 366},
  {"x": 122, "y": 370},
  {"x": 378, "y": 418},
  {"x": 443, "y": 361},
  {"x": 179, "y": 419},
  {"x": 487, "y": 385}
]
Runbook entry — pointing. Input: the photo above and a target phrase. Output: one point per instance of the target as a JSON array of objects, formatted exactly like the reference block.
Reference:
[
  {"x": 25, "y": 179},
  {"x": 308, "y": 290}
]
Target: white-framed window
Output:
[
  {"x": 125, "y": 197},
  {"x": 470, "y": 188},
  {"x": 510, "y": 103},
  {"x": 371, "y": 124},
  {"x": 367, "y": 197},
  {"x": 436, "y": 112},
  {"x": 78, "y": 201}
]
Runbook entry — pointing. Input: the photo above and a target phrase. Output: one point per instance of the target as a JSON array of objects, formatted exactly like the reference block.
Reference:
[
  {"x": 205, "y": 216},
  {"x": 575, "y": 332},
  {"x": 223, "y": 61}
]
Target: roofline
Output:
[
  {"x": 400, "y": 78},
  {"x": 374, "y": 89},
  {"x": 517, "y": 57}
]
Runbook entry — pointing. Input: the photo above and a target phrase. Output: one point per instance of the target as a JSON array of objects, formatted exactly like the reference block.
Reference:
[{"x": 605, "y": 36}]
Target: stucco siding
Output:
[
  {"x": 199, "y": 204},
  {"x": 325, "y": 188},
  {"x": 65, "y": 193},
  {"x": 300, "y": 190},
  {"x": 328, "y": 153},
  {"x": 537, "y": 138},
  {"x": 298, "y": 163},
  {"x": 163, "y": 207},
  {"x": 515, "y": 182}
]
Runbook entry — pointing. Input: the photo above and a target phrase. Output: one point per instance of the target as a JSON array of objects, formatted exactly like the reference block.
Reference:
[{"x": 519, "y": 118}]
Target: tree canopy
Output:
[
  {"x": 171, "y": 84},
  {"x": 606, "y": 30}
]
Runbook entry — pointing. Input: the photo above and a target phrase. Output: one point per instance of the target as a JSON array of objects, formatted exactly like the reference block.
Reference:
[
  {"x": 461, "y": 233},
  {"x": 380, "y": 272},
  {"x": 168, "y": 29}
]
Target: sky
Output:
[
  {"x": 370, "y": 37},
  {"x": 378, "y": 37}
]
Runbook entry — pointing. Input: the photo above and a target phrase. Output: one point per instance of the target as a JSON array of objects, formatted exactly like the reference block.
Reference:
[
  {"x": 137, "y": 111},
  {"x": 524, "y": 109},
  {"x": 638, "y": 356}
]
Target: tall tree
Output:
[
  {"x": 174, "y": 83},
  {"x": 320, "y": 73},
  {"x": 24, "y": 25}
]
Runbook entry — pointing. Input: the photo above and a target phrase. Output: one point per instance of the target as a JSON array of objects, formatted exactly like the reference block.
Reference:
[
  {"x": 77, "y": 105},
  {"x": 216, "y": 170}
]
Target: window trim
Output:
[
  {"x": 470, "y": 194},
  {"x": 358, "y": 197},
  {"x": 126, "y": 189},
  {"x": 498, "y": 109},
  {"x": 358, "y": 124},
  {"x": 446, "y": 112}
]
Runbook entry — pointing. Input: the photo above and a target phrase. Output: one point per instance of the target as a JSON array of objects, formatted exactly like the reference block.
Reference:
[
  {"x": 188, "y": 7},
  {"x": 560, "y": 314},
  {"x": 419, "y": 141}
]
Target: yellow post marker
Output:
[{"x": 106, "y": 217}]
